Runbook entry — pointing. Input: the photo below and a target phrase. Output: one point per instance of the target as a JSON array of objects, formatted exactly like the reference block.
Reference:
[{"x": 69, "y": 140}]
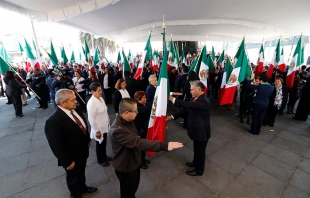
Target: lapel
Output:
[{"x": 63, "y": 116}]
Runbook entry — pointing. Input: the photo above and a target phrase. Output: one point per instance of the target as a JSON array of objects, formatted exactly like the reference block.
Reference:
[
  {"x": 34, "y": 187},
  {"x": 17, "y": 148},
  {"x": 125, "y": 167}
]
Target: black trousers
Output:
[
  {"x": 76, "y": 177},
  {"x": 108, "y": 95},
  {"x": 81, "y": 103},
  {"x": 101, "y": 149},
  {"x": 258, "y": 115},
  {"x": 43, "y": 102},
  {"x": 143, "y": 134},
  {"x": 199, "y": 155},
  {"x": 18, "y": 106},
  {"x": 271, "y": 115},
  {"x": 129, "y": 182}
]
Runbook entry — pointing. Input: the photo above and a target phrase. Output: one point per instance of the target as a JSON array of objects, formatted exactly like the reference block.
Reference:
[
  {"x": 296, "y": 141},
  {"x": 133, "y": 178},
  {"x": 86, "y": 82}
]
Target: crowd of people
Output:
[{"x": 75, "y": 89}]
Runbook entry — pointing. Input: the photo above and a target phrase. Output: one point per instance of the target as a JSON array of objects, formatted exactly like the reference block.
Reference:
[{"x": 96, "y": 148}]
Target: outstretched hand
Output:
[{"x": 174, "y": 145}]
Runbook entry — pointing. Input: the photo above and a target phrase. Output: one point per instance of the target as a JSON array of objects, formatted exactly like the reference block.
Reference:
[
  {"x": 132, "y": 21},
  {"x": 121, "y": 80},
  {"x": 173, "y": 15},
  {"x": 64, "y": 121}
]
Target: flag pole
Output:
[{"x": 20, "y": 77}]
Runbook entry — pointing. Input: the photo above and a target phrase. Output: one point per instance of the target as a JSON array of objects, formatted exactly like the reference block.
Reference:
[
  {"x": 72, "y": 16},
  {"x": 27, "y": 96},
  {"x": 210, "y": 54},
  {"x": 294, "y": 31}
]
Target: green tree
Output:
[{"x": 102, "y": 43}]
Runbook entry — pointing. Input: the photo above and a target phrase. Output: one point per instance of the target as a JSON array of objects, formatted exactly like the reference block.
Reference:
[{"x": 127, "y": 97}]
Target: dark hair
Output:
[
  {"x": 192, "y": 76},
  {"x": 94, "y": 86},
  {"x": 256, "y": 77},
  {"x": 126, "y": 105},
  {"x": 264, "y": 78},
  {"x": 9, "y": 75},
  {"x": 139, "y": 95},
  {"x": 127, "y": 73},
  {"x": 303, "y": 67},
  {"x": 119, "y": 82},
  {"x": 278, "y": 78},
  {"x": 50, "y": 72},
  {"x": 184, "y": 68}
]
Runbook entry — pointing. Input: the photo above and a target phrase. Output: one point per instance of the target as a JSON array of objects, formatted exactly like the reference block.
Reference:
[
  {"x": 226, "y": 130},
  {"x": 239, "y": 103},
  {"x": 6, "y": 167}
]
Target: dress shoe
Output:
[
  {"x": 105, "y": 164},
  {"x": 251, "y": 131},
  {"x": 190, "y": 164},
  {"x": 39, "y": 107},
  {"x": 8, "y": 103},
  {"x": 193, "y": 173},
  {"x": 45, "y": 107},
  {"x": 25, "y": 104},
  {"x": 90, "y": 189},
  {"x": 143, "y": 166},
  {"x": 76, "y": 196},
  {"x": 21, "y": 115},
  {"x": 146, "y": 161},
  {"x": 107, "y": 158}
]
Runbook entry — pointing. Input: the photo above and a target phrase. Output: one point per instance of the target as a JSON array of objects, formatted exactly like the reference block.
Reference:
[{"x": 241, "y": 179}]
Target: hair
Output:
[
  {"x": 139, "y": 95},
  {"x": 62, "y": 95},
  {"x": 192, "y": 76},
  {"x": 256, "y": 77},
  {"x": 264, "y": 78},
  {"x": 127, "y": 73},
  {"x": 116, "y": 68},
  {"x": 94, "y": 86},
  {"x": 279, "y": 78},
  {"x": 9, "y": 75},
  {"x": 184, "y": 68},
  {"x": 198, "y": 84},
  {"x": 303, "y": 67},
  {"x": 152, "y": 76},
  {"x": 119, "y": 82},
  {"x": 126, "y": 105}
]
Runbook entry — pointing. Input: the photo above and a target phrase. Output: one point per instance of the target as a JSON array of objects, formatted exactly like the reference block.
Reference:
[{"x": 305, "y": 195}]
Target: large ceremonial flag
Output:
[
  {"x": 281, "y": 64},
  {"x": 206, "y": 66},
  {"x": 23, "y": 56},
  {"x": 171, "y": 57},
  {"x": 260, "y": 63},
  {"x": 213, "y": 53},
  {"x": 96, "y": 56},
  {"x": 119, "y": 58},
  {"x": 302, "y": 55},
  {"x": 157, "y": 123},
  {"x": 227, "y": 71},
  {"x": 63, "y": 55},
  {"x": 221, "y": 60},
  {"x": 86, "y": 52},
  {"x": 4, "y": 61},
  {"x": 126, "y": 66},
  {"x": 238, "y": 74},
  {"x": 296, "y": 62},
  {"x": 194, "y": 66},
  {"x": 155, "y": 61},
  {"x": 177, "y": 55},
  {"x": 275, "y": 60},
  {"x": 143, "y": 58},
  {"x": 31, "y": 59},
  {"x": 72, "y": 59},
  {"x": 52, "y": 55},
  {"x": 183, "y": 55},
  {"x": 130, "y": 59}
]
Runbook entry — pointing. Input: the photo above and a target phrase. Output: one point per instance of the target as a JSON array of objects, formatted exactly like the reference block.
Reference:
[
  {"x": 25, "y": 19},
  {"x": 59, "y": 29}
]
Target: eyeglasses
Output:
[{"x": 134, "y": 111}]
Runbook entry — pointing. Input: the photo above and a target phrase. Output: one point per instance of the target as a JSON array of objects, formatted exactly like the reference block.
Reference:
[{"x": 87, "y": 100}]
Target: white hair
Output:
[{"x": 62, "y": 95}]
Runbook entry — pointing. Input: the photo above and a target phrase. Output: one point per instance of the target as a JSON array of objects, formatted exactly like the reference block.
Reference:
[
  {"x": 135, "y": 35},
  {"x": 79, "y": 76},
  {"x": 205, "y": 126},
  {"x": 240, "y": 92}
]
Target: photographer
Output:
[{"x": 63, "y": 80}]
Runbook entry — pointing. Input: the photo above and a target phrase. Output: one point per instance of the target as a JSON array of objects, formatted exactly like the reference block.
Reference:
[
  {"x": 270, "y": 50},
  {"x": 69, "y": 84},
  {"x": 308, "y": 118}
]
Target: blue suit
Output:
[{"x": 150, "y": 93}]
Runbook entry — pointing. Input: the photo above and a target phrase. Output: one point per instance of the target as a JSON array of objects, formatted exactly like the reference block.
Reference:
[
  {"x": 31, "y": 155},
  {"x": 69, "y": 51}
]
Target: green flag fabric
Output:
[
  {"x": 96, "y": 57},
  {"x": 63, "y": 55},
  {"x": 72, "y": 59},
  {"x": 148, "y": 48},
  {"x": 126, "y": 66},
  {"x": 54, "y": 58},
  {"x": 119, "y": 58},
  {"x": 21, "y": 48},
  {"x": 213, "y": 53},
  {"x": 4, "y": 66},
  {"x": 29, "y": 53},
  {"x": 86, "y": 52}
]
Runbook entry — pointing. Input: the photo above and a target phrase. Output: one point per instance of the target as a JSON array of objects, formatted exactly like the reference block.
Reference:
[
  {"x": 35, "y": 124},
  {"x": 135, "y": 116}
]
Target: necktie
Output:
[
  {"x": 78, "y": 122},
  {"x": 194, "y": 100}
]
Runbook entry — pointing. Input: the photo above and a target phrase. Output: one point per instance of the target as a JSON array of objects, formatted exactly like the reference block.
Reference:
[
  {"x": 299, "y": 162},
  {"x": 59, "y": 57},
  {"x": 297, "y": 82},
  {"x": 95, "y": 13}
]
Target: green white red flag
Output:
[
  {"x": 157, "y": 123},
  {"x": 295, "y": 64},
  {"x": 31, "y": 59},
  {"x": 221, "y": 60},
  {"x": 183, "y": 55},
  {"x": 227, "y": 71},
  {"x": 147, "y": 48},
  {"x": 172, "y": 61},
  {"x": 274, "y": 61},
  {"x": 155, "y": 61},
  {"x": 206, "y": 65},
  {"x": 261, "y": 60},
  {"x": 126, "y": 66},
  {"x": 281, "y": 64}
]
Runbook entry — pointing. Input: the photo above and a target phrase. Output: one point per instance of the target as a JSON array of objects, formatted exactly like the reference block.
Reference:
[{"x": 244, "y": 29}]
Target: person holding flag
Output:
[{"x": 198, "y": 124}]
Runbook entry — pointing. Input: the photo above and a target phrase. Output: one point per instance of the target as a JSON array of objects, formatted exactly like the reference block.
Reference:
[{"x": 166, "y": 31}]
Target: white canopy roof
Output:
[{"x": 188, "y": 20}]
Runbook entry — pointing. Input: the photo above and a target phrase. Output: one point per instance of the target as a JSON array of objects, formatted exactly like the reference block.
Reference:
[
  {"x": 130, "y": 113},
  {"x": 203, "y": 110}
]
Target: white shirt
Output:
[
  {"x": 98, "y": 117},
  {"x": 77, "y": 85},
  {"x": 124, "y": 93},
  {"x": 68, "y": 112},
  {"x": 105, "y": 82}
]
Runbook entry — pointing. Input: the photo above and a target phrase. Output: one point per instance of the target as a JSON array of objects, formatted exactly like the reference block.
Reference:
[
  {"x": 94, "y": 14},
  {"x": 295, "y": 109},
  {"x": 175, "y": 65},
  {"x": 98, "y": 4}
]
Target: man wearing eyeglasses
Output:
[{"x": 127, "y": 146}]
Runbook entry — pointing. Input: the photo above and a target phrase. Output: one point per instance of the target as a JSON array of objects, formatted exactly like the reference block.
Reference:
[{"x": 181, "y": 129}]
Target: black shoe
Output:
[
  {"x": 190, "y": 164},
  {"x": 8, "y": 103},
  {"x": 21, "y": 115},
  {"x": 39, "y": 107},
  {"x": 143, "y": 166},
  {"x": 76, "y": 196},
  {"x": 107, "y": 158},
  {"x": 251, "y": 131},
  {"x": 45, "y": 107},
  {"x": 90, "y": 189},
  {"x": 193, "y": 173},
  {"x": 146, "y": 161},
  {"x": 105, "y": 164}
]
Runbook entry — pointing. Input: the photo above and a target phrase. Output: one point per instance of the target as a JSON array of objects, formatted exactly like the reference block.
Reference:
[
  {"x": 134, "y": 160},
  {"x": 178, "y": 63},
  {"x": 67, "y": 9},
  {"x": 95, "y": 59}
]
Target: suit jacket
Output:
[
  {"x": 284, "y": 97},
  {"x": 131, "y": 86},
  {"x": 198, "y": 124},
  {"x": 116, "y": 76},
  {"x": 150, "y": 93},
  {"x": 66, "y": 139},
  {"x": 14, "y": 88},
  {"x": 110, "y": 80}
]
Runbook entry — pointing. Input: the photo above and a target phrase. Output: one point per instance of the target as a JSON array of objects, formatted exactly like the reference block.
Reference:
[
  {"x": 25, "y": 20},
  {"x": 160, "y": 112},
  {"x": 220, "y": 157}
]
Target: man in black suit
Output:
[
  {"x": 67, "y": 134},
  {"x": 116, "y": 75},
  {"x": 131, "y": 84},
  {"x": 198, "y": 124},
  {"x": 150, "y": 90}
]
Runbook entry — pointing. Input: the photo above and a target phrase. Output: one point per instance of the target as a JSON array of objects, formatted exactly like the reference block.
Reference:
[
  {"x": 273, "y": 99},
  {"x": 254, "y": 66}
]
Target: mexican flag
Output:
[
  {"x": 221, "y": 60},
  {"x": 130, "y": 59},
  {"x": 144, "y": 54},
  {"x": 206, "y": 66},
  {"x": 260, "y": 63},
  {"x": 157, "y": 123},
  {"x": 96, "y": 56},
  {"x": 227, "y": 71},
  {"x": 63, "y": 55},
  {"x": 155, "y": 61},
  {"x": 72, "y": 59},
  {"x": 302, "y": 55},
  {"x": 32, "y": 61},
  {"x": 275, "y": 60},
  {"x": 296, "y": 62},
  {"x": 281, "y": 65},
  {"x": 53, "y": 56},
  {"x": 119, "y": 58},
  {"x": 4, "y": 61},
  {"x": 23, "y": 55},
  {"x": 171, "y": 57},
  {"x": 183, "y": 55},
  {"x": 86, "y": 52},
  {"x": 238, "y": 74},
  {"x": 213, "y": 53},
  {"x": 177, "y": 56},
  {"x": 126, "y": 66},
  {"x": 194, "y": 65}
]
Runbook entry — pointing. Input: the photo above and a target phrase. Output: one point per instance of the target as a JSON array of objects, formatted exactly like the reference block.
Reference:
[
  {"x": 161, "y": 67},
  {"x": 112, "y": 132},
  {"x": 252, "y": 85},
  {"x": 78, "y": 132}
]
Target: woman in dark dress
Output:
[
  {"x": 277, "y": 102},
  {"x": 14, "y": 91},
  {"x": 302, "y": 111},
  {"x": 142, "y": 121}
]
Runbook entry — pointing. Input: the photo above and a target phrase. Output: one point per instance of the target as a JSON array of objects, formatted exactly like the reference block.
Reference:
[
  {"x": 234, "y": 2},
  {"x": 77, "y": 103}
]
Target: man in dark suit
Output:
[
  {"x": 67, "y": 134},
  {"x": 116, "y": 75},
  {"x": 172, "y": 77},
  {"x": 131, "y": 84},
  {"x": 150, "y": 90},
  {"x": 198, "y": 124}
]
